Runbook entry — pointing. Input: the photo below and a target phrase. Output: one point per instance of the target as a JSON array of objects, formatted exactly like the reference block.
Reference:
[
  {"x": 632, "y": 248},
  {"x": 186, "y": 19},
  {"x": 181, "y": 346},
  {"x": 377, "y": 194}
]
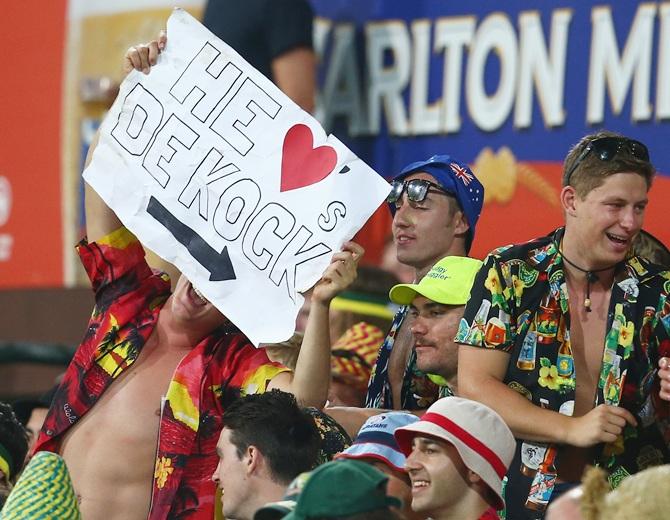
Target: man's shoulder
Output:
[
  {"x": 534, "y": 251},
  {"x": 648, "y": 273}
]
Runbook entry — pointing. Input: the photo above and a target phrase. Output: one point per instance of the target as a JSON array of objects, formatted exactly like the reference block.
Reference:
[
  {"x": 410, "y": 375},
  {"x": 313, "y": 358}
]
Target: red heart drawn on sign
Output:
[{"x": 301, "y": 164}]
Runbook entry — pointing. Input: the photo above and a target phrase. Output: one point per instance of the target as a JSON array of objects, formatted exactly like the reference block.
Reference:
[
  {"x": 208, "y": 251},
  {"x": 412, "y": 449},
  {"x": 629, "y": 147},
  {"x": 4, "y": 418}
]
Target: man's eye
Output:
[{"x": 420, "y": 205}]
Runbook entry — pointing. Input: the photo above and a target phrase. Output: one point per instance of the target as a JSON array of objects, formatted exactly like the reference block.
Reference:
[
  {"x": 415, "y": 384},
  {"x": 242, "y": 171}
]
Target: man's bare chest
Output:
[
  {"x": 587, "y": 336},
  {"x": 130, "y": 407}
]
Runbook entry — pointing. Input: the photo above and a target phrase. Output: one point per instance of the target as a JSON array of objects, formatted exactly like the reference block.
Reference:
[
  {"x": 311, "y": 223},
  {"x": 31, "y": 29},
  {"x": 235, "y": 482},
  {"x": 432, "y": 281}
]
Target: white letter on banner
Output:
[
  {"x": 294, "y": 254},
  {"x": 139, "y": 119},
  {"x": 494, "y": 34},
  {"x": 240, "y": 112},
  {"x": 206, "y": 80},
  {"x": 452, "y": 35},
  {"x": 265, "y": 237},
  {"x": 207, "y": 172},
  {"x": 425, "y": 117},
  {"x": 663, "y": 75},
  {"x": 536, "y": 67},
  {"x": 236, "y": 205},
  {"x": 634, "y": 66},
  {"x": 174, "y": 137},
  {"x": 386, "y": 83},
  {"x": 342, "y": 95}
]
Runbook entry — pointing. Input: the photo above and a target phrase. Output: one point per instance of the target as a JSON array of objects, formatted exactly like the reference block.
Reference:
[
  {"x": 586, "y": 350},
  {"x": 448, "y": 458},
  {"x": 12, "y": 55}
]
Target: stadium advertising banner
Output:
[{"x": 508, "y": 88}]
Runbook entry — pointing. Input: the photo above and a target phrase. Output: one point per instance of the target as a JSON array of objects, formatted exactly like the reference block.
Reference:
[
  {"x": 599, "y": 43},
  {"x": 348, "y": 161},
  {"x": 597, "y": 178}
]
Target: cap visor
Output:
[{"x": 403, "y": 294}]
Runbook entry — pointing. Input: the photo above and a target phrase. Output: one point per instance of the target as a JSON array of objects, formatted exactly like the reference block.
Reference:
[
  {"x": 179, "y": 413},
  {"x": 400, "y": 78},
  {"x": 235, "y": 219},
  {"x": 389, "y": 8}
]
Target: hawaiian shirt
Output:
[
  {"x": 519, "y": 305},
  {"x": 222, "y": 367},
  {"x": 417, "y": 393}
]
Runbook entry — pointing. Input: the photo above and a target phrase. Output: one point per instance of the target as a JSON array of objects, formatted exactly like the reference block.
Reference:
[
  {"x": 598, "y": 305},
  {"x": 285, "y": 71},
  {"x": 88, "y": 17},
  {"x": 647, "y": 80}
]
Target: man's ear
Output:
[
  {"x": 461, "y": 225},
  {"x": 568, "y": 200},
  {"x": 473, "y": 478},
  {"x": 253, "y": 459}
]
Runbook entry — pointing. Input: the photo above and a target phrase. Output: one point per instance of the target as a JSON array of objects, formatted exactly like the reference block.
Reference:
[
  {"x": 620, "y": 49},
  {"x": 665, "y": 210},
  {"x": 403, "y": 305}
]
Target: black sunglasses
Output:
[
  {"x": 606, "y": 148},
  {"x": 416, "y": 189}
]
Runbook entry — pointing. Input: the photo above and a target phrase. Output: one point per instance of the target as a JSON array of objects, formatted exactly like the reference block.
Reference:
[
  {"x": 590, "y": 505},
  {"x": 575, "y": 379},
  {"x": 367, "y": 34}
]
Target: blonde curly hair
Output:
[{"x": 643, "y": 495}]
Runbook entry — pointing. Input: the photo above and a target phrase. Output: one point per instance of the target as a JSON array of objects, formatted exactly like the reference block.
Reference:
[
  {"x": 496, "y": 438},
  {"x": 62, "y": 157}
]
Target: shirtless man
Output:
[
  {"x": 583, "y": 322},
  {"x": 139, "y": 411}
]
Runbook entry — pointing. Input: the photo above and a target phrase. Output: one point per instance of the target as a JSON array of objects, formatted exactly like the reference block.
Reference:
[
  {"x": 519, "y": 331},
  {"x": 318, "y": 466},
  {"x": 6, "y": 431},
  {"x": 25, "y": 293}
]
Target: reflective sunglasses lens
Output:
[
  {"x": 638, "y": 150},
  {"x": 396, "y": 192},
  {"x": 417, "y": 189},
  {"x": 606, "y": 148}
]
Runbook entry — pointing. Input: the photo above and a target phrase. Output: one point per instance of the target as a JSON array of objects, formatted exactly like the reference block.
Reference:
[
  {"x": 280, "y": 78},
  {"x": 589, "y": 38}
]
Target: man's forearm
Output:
[
  {"x": 100, "y": 219},
  {"x": 526, "y": 420},
  {"x": 312, "y": 370}
]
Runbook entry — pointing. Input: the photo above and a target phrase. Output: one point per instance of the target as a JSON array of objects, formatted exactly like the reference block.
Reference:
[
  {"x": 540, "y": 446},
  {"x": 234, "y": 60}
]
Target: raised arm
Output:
[
  {"x": 311, "y": 379},
  {"x": 100, "y": 219}
]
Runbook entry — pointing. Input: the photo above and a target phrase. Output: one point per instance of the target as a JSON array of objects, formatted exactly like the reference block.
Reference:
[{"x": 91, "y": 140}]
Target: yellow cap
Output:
[{"x": 449, "y": 282}]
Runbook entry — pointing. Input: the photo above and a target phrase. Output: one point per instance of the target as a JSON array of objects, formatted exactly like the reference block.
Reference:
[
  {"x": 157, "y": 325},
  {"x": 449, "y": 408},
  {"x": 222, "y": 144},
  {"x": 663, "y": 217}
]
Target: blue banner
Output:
[{"x": 517, "y": 81}]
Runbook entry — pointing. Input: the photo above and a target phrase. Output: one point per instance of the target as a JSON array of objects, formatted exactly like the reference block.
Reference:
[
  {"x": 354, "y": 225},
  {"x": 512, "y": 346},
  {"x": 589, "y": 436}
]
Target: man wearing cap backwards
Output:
[
  {"x": 457, "y": 456},
  {"x": 567, "y": 336},
  {"x": 436, "y": 307},
  {"x": 436, "y": 204}
]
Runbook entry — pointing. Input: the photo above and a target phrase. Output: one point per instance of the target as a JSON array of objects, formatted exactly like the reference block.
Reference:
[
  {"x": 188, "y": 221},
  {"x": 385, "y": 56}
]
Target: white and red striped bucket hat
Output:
[{"x": 481, "y": 437}]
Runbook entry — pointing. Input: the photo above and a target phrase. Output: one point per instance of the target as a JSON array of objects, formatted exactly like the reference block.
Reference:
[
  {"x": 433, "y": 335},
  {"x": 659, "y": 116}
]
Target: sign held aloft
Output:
[{"x": 221, "y": 174}]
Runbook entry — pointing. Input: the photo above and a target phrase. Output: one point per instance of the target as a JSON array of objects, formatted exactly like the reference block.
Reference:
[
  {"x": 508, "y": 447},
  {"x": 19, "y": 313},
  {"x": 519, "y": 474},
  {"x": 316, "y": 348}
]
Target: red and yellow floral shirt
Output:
[{"x": 222, "y": 367}]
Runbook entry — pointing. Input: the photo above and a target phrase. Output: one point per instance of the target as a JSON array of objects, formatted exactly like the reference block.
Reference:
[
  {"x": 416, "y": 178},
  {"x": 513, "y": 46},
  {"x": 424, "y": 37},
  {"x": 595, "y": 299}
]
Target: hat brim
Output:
[
  {"x": 404, "y": 294},
  {"x": 471, "y": 459},
  {"x": 388, "y": 456}
]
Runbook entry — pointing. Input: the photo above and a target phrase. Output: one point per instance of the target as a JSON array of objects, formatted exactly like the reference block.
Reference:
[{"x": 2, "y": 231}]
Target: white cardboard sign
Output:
[{"x": 221, "y": 174}]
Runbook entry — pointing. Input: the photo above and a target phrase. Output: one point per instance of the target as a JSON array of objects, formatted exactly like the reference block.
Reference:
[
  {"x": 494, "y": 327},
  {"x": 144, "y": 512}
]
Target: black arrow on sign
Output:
[{"x": 218, "y": 264}]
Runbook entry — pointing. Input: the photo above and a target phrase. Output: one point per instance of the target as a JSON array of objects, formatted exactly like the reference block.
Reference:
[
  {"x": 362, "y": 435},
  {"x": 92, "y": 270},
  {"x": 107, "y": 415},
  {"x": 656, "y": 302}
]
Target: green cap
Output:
[
  {"x": 449, "y": 282},
  {"x": 43, "y": 491},
  {"x": 340, "y": 488}
]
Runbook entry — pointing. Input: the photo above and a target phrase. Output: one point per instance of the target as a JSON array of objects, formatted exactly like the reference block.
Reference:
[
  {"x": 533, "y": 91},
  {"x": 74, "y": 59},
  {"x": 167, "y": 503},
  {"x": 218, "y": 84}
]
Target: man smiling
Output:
[
  {"x": 140, "y": 407},
  {"x": 586, "y": 326},
  {"x": 457, "y": 455}
]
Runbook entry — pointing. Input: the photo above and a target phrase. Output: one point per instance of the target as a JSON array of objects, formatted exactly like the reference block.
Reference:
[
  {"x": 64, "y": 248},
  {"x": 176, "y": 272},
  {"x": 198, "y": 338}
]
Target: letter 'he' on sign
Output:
[{"x": 217, "y": 171}]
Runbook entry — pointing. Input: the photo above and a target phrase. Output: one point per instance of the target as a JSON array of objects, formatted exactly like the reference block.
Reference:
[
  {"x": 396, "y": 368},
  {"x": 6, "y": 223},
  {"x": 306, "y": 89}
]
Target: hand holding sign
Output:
[
  {"x": 339, "y": 275},
  {"x": 218, "y": 172},
  {"x": 143, "y": 57}
]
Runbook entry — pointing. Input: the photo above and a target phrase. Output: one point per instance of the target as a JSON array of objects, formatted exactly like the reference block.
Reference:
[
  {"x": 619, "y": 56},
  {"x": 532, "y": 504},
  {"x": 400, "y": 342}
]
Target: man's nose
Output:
[
  {"x": 401, "y": 217},
  {"x": 215, "y": 475},
  {"x": 418, "y": 327},
  {"x": 630, "y": 219},
  {"x": 411, "y": 462}
]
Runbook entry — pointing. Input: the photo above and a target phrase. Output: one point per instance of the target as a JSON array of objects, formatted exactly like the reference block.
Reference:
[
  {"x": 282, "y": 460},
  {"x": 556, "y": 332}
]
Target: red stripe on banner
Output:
[{"x": 467, "y": 439}]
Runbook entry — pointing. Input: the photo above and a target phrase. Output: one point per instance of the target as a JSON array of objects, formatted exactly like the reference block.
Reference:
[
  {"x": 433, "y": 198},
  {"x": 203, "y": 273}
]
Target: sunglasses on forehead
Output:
[
  {"x": 416, "y": 189},
  {"x": 606, "y": 148}
]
